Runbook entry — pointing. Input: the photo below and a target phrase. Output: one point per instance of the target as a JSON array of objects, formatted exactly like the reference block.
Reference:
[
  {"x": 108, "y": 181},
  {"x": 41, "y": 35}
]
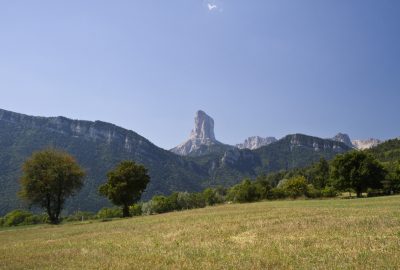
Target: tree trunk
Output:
[
  {"x": 125, "y": 211},
  {"x": 359, "y": 194}
]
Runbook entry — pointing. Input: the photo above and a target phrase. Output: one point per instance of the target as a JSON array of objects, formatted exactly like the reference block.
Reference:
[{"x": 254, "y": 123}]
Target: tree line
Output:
[{"x": 50, "y": 177}]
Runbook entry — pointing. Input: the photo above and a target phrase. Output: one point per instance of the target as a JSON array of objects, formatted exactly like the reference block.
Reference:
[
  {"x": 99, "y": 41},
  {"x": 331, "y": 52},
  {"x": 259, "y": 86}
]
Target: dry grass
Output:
[{"x": 327, "y": 234}]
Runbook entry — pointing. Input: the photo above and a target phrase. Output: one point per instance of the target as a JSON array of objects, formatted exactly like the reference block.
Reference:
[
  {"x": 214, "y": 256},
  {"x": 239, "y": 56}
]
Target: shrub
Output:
[
  {"x": 107, "y": 213},
  {"x": 276, "y": 194},
  {"x": 296, "y": 186},
  {"x": 161, "y": 204},
  {"x": 210, "y": 196},
  {"x": 147, "y": 208},
  {"x": 312, "y": 192},
  {"x": 243, "y": 192},
  {"x": 135, "y": 210},
  {"x": 16, "y": 217},
  {"x": 329, "y": 192}
]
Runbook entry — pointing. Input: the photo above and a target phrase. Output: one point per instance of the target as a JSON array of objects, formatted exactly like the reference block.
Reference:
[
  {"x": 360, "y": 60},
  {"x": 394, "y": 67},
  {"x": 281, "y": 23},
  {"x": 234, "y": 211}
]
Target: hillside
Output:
[
  {"x": 99, "y": 146},
  {"x": 317, "y": 234},
  {"x": 388, "y": 151}
]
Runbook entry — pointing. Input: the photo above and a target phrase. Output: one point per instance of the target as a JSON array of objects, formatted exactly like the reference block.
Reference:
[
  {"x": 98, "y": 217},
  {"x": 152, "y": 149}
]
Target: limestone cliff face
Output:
[
  {"x": 202, "y": 138},
  {"x": 93, "y": 131},
  {"x": 256, "y": 142}
]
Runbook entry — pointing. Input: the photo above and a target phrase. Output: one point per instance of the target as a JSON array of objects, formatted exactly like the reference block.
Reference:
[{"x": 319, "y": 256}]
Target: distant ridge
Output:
[{"x": 98, "y": 146}]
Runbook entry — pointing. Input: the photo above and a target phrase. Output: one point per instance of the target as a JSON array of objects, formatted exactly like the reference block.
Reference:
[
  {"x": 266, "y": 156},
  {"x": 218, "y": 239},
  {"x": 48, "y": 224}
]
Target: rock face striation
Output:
[
  {"x": 202, "y": 138},
  {"x": 256, "y": 142}
]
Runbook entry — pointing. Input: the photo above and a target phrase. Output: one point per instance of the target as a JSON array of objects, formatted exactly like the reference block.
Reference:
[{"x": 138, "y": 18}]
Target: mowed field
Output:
[{"x": 314, "y": 234}]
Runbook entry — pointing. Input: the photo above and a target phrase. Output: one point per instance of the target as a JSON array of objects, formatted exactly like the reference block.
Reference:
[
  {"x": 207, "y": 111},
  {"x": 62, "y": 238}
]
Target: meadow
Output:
[{"x": 300, "y": 234}]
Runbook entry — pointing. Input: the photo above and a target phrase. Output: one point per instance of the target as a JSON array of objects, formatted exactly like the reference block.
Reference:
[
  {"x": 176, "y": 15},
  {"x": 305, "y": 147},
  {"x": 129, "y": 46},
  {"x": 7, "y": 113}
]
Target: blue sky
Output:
[{"x": 261, "y": 67}]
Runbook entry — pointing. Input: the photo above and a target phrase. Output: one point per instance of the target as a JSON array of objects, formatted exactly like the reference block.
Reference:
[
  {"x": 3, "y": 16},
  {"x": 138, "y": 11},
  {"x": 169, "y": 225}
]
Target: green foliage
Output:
[
  {"x": 319, "y": 174},
  {"x": 135, "y": 210},
  {"x": 125, "y": 185},
  {"x": 108, "y": 213},
  {"x": 357, "y": 170},
  {"x": 388, "y": 151},
  {"x": 161, "y": 204},
  {"x": 296, "y": 187},
  {"x": 49, "y": 178},
  {"x": 210, "y": 196},
  {"x": 16, "y": 217},
  {"x": 329, "y": 192},
  {"x": 243, "y": 192},
  {"x": 313, "y": 192},
  {"x": 22, "y": 217},
  {"x": 276, "y": 194},
  {"x": 392, "y": 181}
]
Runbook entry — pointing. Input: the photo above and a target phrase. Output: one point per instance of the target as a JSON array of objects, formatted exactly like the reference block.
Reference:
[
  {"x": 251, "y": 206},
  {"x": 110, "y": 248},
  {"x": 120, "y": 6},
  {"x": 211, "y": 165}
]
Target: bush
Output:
[
  {"x": 147, "y": 208},
  {"x": 210, "y": 196},
  {"x": 183, "y": 200},
  {"x": 276, "y": 194},
  {"x": 296, "y": 186},
  {"x": 329, "y": 192},
  {"x": 161, "y": 204},
  {"x": 135, "y": 210},
  {"x": 243, "y": 192},
  {"x": 17, "y": 217},
  {"x": 107, "y": 213},
  {"x": 312, "y": 192},
  {"x": 1, "y": 221}
]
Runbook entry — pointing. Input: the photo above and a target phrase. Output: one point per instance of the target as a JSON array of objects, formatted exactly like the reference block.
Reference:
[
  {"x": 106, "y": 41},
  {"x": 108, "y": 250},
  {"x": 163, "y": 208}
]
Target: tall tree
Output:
[
  {"x": 49, "y": 178},
  {"x": 320, "y": 174},
  {"x": 125, "y": 185},
  {"x": 357, "y": 170}
]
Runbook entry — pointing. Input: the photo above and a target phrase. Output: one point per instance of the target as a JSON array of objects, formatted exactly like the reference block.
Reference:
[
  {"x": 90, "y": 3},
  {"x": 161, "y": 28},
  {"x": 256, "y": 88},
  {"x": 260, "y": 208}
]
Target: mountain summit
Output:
[{"x": 202, "y": 138}]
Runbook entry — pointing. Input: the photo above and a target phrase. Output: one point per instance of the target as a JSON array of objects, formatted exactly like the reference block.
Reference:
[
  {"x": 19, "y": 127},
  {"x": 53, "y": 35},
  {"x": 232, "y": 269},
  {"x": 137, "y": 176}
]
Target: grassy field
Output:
[{"x": 317, "y": 234}]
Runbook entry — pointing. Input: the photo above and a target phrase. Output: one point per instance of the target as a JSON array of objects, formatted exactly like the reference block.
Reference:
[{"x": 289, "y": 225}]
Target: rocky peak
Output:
[
  {"x": 344, "y": 138},
  {"x": 202, "y": 138},
  {"x": 256, "y": 142},
  {"x": 203, "y": 128}
]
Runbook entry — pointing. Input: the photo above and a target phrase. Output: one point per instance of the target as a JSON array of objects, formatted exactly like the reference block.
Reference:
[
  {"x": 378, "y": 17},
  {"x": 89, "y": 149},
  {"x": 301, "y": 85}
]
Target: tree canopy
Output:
[
  {"x": 357, "y": 170},
  {"x": 49, "y": 178},
  {"x": 125, "y": 185}
]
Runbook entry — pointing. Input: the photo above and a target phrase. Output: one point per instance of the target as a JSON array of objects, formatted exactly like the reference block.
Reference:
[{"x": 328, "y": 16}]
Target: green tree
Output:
[
  {"x": 357, "y": 170},
  {"x": 392, "y": 182},
  {"x": 210, "y": 196},
  {"x": 243, "y": 192},
  {"x": 49, "y": 178},
  {"x": 296, "y": 186},
  {"x": 320, "y": 174},
  {"x": 125, "y": 185}
]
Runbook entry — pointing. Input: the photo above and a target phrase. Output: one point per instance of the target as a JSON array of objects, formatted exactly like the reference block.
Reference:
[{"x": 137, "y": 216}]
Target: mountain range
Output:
[{"x": 200, "y": 162}]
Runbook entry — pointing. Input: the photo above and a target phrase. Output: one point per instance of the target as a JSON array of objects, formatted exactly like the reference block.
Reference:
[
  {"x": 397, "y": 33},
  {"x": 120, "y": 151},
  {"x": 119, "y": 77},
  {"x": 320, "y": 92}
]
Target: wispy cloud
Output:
[{"x": 212, "y": 7}]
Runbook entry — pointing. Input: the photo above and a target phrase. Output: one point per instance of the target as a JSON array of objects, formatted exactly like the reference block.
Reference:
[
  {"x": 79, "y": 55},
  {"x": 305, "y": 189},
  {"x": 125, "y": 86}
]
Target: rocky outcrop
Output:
[
  {"x": 344, "y": 138},
  {"x": 202, "y": 138},
  {"x": 357, "y": 144},
  {"x": 366, "y": 144},
  {"x": 256, "y": 142}
]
